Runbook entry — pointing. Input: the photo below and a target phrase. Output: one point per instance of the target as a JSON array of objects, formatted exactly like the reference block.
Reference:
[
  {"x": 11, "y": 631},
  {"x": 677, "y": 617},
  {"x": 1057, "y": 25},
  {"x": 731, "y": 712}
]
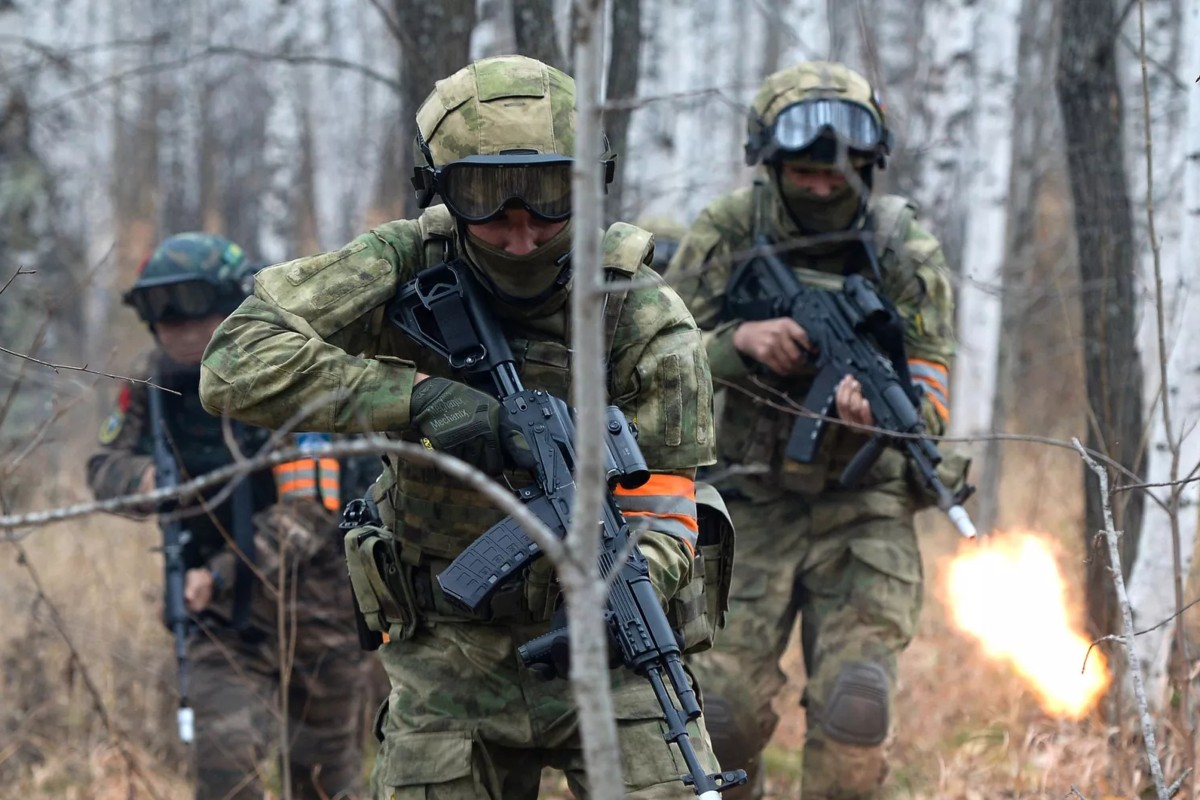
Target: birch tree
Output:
[
  {"x": 1169, "y": 308},
  {"x": 987, "y": 159}
]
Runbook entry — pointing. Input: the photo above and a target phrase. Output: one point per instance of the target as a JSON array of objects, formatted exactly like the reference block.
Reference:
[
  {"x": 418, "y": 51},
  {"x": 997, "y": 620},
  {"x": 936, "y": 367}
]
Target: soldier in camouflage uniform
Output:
[
  {"x": 465, "y": 720},
  {"x": 846, "y": 562},
  {"x": 185, "y": 289}
]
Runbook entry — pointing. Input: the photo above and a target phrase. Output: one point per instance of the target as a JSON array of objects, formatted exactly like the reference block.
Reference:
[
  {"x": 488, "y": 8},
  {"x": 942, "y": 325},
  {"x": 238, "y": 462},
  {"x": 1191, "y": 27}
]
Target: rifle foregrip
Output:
[{"x": 500, "y": 553}]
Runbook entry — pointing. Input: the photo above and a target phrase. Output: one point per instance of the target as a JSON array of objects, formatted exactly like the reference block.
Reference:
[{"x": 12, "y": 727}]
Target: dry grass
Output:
[{"x": 968, "y": 728}]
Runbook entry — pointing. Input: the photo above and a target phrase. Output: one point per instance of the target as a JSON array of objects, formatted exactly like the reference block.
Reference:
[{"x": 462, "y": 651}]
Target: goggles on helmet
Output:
[
  {"x": 479, "y": 189},
  {"x": 800, "y": 125},
  {"x": 180, "y": 298}
]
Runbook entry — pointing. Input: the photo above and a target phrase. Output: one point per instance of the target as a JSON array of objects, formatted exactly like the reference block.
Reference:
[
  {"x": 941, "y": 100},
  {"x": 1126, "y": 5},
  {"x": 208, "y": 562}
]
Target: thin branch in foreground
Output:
[
  {"x": 1135, "y": 670},
  {"x": 13, "y": 277},
  {"x": 84, "y": 368}
]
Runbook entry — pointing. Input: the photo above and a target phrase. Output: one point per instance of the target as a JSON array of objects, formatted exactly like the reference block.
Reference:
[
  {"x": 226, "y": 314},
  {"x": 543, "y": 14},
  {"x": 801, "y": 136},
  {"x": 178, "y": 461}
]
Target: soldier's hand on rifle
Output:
[
  {"x": 458, "y": 420},
  {"x": 198, "y": 589},
  {"x": 851, "y": 405},
  {"x": 779, "y": 344}
]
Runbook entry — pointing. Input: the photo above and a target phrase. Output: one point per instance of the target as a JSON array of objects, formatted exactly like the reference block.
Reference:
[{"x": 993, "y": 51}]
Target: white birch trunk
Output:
[
  {"x": 942, "y": 124},
  {"x": 1177, "y": 212},
  {"x": 987, "y": 159}
]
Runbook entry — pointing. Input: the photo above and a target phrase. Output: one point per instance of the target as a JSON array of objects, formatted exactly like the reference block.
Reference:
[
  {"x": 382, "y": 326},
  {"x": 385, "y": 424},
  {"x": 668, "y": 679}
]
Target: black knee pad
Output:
[
  {"x": 857, "y": 709},
  {"x": 735, "y": 741}
]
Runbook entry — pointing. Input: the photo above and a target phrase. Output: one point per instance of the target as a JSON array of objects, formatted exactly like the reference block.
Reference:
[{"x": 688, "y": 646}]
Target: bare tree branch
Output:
[
  {"x": 1135, "y": 670},
  {"x": 13, "y": 277},
  {"x": 84, "y": 368}
]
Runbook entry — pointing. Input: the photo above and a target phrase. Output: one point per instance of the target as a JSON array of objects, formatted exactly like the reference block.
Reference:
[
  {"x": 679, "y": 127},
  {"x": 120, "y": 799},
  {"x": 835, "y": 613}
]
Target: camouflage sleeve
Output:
[
  {"x": 661, "y": 381},
  {"x": 291, "y": 350},
  {"x": 926, "y": 302},
  {"x": 125, "y": 452},
  {"x": 700, "y": 271}
]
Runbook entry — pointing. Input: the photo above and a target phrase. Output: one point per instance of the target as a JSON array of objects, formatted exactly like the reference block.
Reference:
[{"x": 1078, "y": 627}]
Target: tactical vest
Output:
[
  {"x": 757, "y": 433},
  {"x": 434, "y": 516},
  {"x": 197, "y": 438}
]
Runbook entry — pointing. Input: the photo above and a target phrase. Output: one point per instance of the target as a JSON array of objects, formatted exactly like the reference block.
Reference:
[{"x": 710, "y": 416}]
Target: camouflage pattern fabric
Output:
[
  {"x": 846, "y": 562},
  {"x": 465, "y": 722},
  {"x": 849, "y": 566},
  {"x": 236, "y": 677}
]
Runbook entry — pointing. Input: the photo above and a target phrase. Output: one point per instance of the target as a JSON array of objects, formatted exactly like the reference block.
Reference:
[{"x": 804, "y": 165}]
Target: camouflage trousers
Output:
[
  {"x": 244, "y": 687},
  {"x": 465, "y": 721},
  {"x": 848, "y": 564}
]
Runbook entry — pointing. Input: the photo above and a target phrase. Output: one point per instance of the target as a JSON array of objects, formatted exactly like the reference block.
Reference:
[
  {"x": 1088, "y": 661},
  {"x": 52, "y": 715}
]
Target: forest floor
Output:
[{"x": 100, "y": 726}]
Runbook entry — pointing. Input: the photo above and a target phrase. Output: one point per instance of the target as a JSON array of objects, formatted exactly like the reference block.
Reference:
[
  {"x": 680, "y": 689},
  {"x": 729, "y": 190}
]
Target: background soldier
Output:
[
  {"x": 465, "y": 720},
  {"x": 846, "y": 561},
  {"x": 238, "y": 664}
]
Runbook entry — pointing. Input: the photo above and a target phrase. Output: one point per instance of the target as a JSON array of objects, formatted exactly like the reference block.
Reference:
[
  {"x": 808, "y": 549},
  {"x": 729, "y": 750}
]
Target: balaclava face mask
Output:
[
  {"x": 529, "y": 280},
  {"x": 819, "y": 214}
]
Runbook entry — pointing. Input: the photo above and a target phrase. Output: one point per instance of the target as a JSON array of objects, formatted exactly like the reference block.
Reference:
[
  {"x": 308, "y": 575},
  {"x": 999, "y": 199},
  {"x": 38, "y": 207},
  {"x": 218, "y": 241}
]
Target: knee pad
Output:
[
  {"x": 736, "y": 743},
  {"x": 857, "y": 709}
]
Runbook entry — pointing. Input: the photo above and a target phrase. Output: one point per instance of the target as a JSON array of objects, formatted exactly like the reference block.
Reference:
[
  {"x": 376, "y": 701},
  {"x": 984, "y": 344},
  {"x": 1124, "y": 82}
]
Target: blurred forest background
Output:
[{"x": 1031, "y": 132}]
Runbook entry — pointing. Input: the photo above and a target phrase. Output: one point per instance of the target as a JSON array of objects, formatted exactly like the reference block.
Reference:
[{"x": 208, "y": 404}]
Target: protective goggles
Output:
[
  {"x": 801, "y": 125},
  {"x": 479, "y": 189},
  {"x": 173, "y": 299}
]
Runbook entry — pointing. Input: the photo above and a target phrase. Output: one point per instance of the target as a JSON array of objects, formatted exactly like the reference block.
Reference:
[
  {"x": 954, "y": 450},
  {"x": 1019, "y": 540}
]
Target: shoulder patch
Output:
[
  {"x": 111, "y": 428},
  {"x": 300, "y": 270}
]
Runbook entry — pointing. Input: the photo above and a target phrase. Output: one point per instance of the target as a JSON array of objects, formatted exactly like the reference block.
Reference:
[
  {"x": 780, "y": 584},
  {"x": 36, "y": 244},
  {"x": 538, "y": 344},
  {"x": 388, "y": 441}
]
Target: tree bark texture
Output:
[
  {"x": 436, "y": 43},
  {"x": 624, "y": 63},
  {"x": 536, "y": 33},
  {"x": 1089, "y": 95}
]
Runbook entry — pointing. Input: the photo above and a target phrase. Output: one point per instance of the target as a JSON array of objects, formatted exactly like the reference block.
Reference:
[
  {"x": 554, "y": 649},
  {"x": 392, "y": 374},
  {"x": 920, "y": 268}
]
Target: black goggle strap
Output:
[{"x": 424, "y": 175}]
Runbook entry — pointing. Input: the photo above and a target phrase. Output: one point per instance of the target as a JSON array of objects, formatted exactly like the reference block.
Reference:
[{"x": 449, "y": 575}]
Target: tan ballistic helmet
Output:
[
  {"x": 494, "y": 107},
  {"x": 817, "y": 81}
]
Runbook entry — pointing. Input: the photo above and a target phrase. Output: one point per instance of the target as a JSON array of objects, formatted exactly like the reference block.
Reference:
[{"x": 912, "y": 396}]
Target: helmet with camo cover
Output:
[
  {"x": 191, "y": 275},
  {"x": 812, "y": 110},
  {"x": 498, "y": 133}
]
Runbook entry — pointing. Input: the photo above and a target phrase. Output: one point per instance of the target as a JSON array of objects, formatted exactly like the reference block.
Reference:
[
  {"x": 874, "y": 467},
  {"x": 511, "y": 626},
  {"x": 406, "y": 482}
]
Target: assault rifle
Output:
[
  {"x": 175, "y": 538},
  {"x": 854, "y": 332},
  {"x": 441, "y": 309}
]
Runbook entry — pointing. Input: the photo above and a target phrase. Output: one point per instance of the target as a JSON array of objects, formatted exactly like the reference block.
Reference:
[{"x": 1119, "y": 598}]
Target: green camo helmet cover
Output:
[{"x": 192, "y": 256}]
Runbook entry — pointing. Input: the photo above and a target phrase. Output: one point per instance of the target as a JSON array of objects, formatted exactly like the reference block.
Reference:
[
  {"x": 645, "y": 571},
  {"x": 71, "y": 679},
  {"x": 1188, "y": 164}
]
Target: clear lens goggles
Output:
[
  {"x": 176, "y": 300},
  {"x": 800, "y": 125},
  {"x": 479, "y": 189}
]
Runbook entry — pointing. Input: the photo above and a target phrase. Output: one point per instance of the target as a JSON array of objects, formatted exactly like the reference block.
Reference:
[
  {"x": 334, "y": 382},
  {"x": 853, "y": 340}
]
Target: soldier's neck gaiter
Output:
[
  {"x": 522, "y": 277},
  {"x": 821, "y": 214}
]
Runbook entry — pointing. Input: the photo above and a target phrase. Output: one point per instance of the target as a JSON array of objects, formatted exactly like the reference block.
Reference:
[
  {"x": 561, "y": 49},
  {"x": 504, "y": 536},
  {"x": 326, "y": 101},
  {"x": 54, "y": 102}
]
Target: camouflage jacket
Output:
[
  {"x": 914, "y": 277},
  {"x": 315, "y": 331}
]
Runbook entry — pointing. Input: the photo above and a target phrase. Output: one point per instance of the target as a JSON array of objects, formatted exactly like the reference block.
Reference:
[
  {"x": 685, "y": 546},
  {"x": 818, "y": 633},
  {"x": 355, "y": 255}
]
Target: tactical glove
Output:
[{"x": 460, "y": 421}]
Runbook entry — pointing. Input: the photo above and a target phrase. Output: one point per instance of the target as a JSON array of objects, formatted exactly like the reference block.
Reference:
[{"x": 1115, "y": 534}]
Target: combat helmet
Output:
[
  {"x": 496, "y": 134},
  {"x": 813, "y": 108},
  {"x": 189, "y": 276}
]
